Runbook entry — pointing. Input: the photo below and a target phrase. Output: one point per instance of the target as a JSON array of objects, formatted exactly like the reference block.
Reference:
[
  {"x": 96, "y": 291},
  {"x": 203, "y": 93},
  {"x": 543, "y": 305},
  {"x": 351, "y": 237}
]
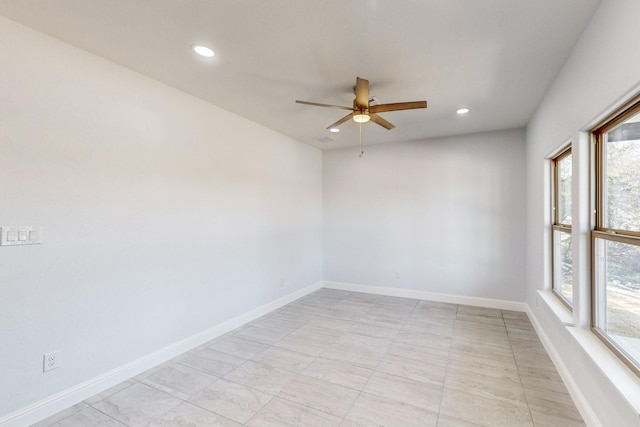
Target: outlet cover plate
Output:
[{"x": 51, "y": 361}]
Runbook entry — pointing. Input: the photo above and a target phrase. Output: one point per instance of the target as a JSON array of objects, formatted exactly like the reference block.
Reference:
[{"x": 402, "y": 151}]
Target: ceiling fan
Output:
[{"x": 362, "y": 112}]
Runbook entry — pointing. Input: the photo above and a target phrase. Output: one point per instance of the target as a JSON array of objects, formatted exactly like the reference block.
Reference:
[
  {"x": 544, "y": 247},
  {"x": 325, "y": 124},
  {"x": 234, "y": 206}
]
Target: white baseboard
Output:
[
  {"x": 67, "y": 398},
  {"x": 429, "y": 296},
  {"x": 589, "y": 416}
]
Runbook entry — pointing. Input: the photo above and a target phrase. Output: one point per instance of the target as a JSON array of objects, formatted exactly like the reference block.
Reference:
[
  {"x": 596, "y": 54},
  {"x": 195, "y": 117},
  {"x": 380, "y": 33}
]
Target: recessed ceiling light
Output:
[
  {"x": 203, "y": 50},
  {"x": 334, "y": 130},
  {"x": 463, "y": 111}
]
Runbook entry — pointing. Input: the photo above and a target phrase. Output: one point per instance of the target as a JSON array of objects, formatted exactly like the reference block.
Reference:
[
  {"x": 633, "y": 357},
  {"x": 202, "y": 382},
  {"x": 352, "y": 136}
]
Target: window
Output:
[
  {"x": 616, "y": 237},
  {"x": 562, "y": 266}
]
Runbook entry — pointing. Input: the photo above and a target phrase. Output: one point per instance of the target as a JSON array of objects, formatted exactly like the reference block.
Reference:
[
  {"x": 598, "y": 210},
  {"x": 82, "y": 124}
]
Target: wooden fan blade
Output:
[
  {"x": 325, "y": 105},
  {"x": 341, "y": 121},
  {"x": 397, "y": 106},
  {"x": 362, "y": 93},
  {"x": 379, "y": 120}
]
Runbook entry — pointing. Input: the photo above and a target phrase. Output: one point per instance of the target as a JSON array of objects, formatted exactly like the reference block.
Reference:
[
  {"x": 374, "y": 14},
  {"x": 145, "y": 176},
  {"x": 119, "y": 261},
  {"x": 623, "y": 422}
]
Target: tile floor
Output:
[{"x": 336, "y": 358}]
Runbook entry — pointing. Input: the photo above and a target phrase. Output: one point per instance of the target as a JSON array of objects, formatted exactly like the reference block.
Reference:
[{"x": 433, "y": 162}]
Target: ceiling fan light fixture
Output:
[{"x": 361, "y": 117}]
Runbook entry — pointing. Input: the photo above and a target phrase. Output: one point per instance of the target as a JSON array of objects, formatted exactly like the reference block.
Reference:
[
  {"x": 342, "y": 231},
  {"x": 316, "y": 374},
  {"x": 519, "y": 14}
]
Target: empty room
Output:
[{"x": 354, "y": 213}]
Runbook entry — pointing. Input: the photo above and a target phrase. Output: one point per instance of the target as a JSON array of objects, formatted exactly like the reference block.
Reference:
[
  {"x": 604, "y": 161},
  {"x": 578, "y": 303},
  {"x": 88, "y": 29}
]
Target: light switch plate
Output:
[{"x": 18, "y": 236}]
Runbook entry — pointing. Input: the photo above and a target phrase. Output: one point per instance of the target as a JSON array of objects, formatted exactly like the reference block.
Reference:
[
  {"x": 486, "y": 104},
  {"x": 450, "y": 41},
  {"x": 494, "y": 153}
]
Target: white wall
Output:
[
  {"x": 602, "y": 71},
  {"x": 163, "y": 215},
  {"x": 446, "y": 214}
]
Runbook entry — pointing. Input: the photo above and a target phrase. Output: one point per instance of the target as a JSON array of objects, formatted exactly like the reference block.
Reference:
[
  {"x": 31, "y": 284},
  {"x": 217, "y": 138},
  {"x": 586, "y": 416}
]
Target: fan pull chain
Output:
[{"x": 361, "y": 149}]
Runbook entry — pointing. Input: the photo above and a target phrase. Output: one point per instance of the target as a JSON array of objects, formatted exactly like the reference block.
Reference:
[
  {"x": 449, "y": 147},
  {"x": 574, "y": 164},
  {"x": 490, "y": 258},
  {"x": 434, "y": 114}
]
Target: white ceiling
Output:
[{"x": 496, "y": 57}]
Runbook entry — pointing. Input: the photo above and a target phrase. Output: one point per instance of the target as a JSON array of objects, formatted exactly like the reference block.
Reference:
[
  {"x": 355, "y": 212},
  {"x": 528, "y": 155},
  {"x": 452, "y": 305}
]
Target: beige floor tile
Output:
[
  {"x": 429, "y": 326},
  {"x": 283, "y": 413},
  {"x": 331, "y": 323},
  {"x": 520, "y": 345},
  {"x": 363, "y": 297},
  {"x": 535, "y": 361},
  {"x": 180, "y": 381},
  {"x": 421, "y": 354},
  {"x": 485, "y": 411},
  {"x": 261, "y": 377},
  {"x": 485, "y": 386},
  {"x": 110, "y": 391},
  {"x": 424, "y": 339},
  {"x": 358, "y": 307},
  {"x": 446, "y": 421},
  {"x": 482, "y": 366},
  {"x": 337, "y": 372},
  {"x": 393, "y": 310},
  {"x": 552, "y": 419},
  {"x": 364, "y": 341},
  {"x": 303, "y": 344},
  {"x": 61, "y": 415},
  {"x": 188, "y": 415},
  {"x": 239, "y": 347},
  {"x": 275, "y": 324},
  {"x": 327, "y": 303},
  {"x": 555, "y": 397},
  {"x": 486, "y": 360},
  {"x": 213, "y": 362},
  {"x": 474, "y": 327},
  {"x": 363, "y": 357},
  {"x": 406, "y": 391},
  {"x": 320, "y": 395},
  {"x": 471, "y": 310},
  {"x": 412, "y": 369},
  {"x": 381, "y": 320},
  {"x": 518, "y": 315},
  {"x": 541, "y": 380},
  {"x": 443, "y": 307},
  {"x": 529, "y": 335},
  {"x": 333, "y": 293},
  {"x": 498, "y": 322},
  {"x": 262, "y": 335},
  {"x": 234, "y": 401},
  {"x": 518, "y": 323},
  {"x": 284, "y": 359},
  {"x": 137, "y": 405},
  {"x": 462, "y": 347},
  {"x": 553, "y": 408},
  {"x": 371, "y": 410},
  {"x": 88, "y": 417},
  {"x": 297, "y": 316},
  {"x": 141, "y": 376},
  {"x": 378, "y": 331},
  {"x": 303, "y": 309},
  {"x": 344, "y": 312},
  {"x": 444, "y": 315},
  {"x": 318, "y": 333}
]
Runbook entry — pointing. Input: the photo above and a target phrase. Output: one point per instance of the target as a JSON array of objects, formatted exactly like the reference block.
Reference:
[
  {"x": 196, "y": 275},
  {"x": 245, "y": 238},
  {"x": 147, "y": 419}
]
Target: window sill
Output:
[
  {"x": 562, "y": 313},
  {"x": 627, "y": 383},
  {"x": 619, "y": 375}
]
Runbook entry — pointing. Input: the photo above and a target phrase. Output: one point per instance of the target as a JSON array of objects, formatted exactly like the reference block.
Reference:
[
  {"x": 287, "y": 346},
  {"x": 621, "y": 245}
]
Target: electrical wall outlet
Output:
[{"x": 51, "y": 361}]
